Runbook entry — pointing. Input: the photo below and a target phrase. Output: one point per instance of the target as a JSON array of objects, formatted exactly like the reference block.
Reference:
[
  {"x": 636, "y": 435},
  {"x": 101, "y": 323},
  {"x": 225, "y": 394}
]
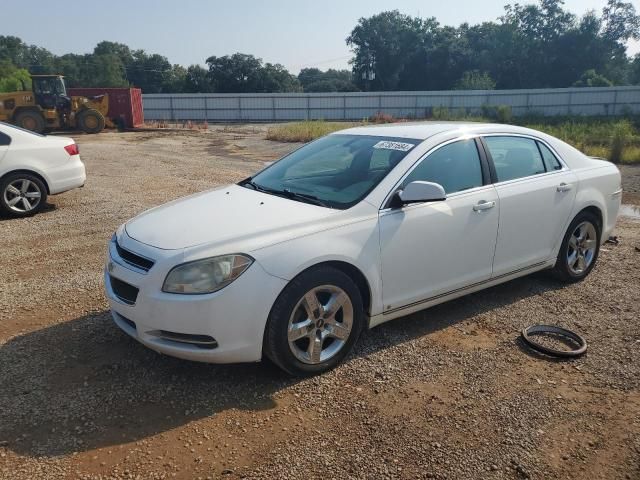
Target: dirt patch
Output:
[{"x": 446, "y": 393}]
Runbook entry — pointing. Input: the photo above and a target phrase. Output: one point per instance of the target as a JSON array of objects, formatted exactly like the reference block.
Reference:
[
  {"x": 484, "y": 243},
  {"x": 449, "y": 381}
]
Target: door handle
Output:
[
  {"x": 564, "y": 187},
  {"x": 483, "y": 205}
]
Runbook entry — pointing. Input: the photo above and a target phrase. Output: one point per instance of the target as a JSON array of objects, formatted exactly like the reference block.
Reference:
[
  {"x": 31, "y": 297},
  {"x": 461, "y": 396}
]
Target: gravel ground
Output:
[{"x": 445, "y": 393}]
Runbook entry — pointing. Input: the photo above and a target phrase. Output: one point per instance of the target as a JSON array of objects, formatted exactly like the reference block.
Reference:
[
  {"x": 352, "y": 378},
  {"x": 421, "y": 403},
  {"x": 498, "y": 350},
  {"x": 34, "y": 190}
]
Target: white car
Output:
[
  {"x": 352, "y": 230},
  {"x": 33, "y": 166}
]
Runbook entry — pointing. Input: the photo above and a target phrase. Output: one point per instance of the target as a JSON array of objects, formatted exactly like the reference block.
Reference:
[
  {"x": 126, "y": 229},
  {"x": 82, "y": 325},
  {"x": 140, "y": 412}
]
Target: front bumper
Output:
[{"x": 234, "y": 316}]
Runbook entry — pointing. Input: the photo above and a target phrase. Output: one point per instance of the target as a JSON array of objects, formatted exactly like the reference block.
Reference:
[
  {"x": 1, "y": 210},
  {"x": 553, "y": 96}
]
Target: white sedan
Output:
[
  {"x": 33, "y": 166},
  {"x": 352, "y": 230}
]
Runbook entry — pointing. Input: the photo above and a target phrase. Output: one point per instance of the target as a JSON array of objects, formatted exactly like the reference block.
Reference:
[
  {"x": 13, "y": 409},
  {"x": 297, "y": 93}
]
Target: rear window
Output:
[
  {"x": 550, "y": 160},
  {"x": 515, "y": 157},
  {"x": 4, "y": 139}
]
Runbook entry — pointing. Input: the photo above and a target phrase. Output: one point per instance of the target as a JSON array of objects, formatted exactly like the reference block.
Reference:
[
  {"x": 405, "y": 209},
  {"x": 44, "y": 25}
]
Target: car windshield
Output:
[{"x": 335, "y": 171}]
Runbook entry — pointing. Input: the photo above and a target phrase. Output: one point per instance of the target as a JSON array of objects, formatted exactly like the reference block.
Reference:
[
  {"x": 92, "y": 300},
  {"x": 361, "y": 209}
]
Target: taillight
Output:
[{"x": 72, "y": 149}]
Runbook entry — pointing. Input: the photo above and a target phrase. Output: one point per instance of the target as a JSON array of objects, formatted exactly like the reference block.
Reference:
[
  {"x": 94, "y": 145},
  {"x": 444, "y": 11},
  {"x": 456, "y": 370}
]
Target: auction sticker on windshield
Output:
[{"x": 400, "y": 146}]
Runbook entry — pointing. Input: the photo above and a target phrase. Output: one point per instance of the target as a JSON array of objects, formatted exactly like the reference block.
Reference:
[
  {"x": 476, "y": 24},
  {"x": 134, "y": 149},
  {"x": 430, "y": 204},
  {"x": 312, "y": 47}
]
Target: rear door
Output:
[{"x": 536, "y": 195}]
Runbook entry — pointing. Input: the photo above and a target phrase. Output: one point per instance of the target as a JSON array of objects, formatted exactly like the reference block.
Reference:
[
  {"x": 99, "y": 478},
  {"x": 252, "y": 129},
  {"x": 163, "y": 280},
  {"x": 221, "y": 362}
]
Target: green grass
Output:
[
  {"x": 615, "y": 139},
  {"x": 305, "y": 131}
]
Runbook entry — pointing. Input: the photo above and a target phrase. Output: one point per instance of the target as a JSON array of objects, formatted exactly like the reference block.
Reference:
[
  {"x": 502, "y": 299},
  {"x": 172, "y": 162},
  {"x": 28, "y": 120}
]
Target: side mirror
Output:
[{"x": 417, "y": 192}]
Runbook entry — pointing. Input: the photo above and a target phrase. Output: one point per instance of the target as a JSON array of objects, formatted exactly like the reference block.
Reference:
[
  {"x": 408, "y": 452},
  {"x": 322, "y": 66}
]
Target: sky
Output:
[{"x": 295, "y": 33}]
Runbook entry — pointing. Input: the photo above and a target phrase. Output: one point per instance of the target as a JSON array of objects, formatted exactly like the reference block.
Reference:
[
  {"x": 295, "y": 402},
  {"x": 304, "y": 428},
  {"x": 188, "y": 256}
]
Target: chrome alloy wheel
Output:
[
  {"x": 320, "y": 324},
  {"x": 581, "y": 248},
  {"x": 22, "y": 195}
]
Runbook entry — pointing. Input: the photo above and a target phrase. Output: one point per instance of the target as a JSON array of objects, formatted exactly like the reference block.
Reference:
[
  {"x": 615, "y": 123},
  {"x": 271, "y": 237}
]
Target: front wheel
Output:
[
  {"x": 315, "y": 322},
  {"x": 579, "y": 249},
  {"x": 91, "y": 121}
]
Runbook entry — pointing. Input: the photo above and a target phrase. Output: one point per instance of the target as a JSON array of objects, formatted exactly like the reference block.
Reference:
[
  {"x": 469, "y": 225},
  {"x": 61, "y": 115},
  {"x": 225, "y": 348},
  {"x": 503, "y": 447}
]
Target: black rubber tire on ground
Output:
[
  {"x": 7, "y": 180},
  {"x": 276, "y": 344},
  {"x": 561, "y": 270},
  {"x": 30, "y": 120},
  {"x": 90, "y": 121}
]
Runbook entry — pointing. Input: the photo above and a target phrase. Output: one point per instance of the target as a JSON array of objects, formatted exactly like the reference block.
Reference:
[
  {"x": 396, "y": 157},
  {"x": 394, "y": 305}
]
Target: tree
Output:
[
  {"x": 276, "y": 78},
  {"x": 197, "y": 80},
  {"x": 13, "y": 79},
  {"x": 122, "y": 51},
  {"x": 175, "y": 80},
  {"x": 237, "y": 73},
  {"x": 531, "y": 46},
  {"x": 634, "y": 70},
  {"x": 475, "y": 80},
  {"x": 539, "y": 30},
  {"x": 308, "y": 76},
  {"x": 383, "y": 45},
  {"x": 315, "y": 80},
  {"x": 151, "y": 73},
  {"x": 591, "y": 78},
  {"x": 620, "y": 22},
  {"x": 242, "y": 73}
]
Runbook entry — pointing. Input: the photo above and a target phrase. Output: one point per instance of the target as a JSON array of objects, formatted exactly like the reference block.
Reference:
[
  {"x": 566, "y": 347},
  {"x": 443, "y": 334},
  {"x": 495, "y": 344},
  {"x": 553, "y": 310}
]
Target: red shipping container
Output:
[{"x": 125, "y": 103}]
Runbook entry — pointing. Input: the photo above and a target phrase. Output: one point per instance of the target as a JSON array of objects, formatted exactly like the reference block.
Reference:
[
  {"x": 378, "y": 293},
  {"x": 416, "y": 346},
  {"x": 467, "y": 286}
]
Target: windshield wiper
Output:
[
  {"x": 304, "y": 197},
  {"x": 286, "y": 193},
  {"x": 251, "y": 183}
]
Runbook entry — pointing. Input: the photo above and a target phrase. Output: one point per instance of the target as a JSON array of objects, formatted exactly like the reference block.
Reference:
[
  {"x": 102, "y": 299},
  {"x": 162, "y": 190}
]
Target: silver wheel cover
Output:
[
  {"x": 320, "y": 324},
  {"x": 581, "y": 248},
  {"x": 22, "y": 195}
]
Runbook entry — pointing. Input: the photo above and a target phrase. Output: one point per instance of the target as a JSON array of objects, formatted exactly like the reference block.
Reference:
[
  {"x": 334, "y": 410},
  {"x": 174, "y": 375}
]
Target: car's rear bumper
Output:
[{"x": 70, "y": 175}]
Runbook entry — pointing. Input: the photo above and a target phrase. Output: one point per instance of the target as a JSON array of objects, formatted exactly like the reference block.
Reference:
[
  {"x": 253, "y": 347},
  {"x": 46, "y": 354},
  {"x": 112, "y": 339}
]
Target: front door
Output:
[{"x": 434, "y": 248}]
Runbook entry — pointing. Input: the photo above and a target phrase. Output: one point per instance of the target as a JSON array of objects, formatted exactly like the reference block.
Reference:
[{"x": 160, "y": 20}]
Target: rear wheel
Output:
[
  {"x": 22, "y": 194},
  {"x": 91, "y": 121},
  {"x": 30, "y": 120},
  {"x": 315, "y": 322},
  {"x": 579, "y": 249}
]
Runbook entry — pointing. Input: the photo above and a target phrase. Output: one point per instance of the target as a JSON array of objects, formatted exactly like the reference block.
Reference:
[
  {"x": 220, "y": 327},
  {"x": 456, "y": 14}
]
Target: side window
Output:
[
  {"x": 455, "y": 166},
  {"x": 4, "y": 139},
  {"x": 515, "y": 157},
  {"x": 550, "y": 160}
]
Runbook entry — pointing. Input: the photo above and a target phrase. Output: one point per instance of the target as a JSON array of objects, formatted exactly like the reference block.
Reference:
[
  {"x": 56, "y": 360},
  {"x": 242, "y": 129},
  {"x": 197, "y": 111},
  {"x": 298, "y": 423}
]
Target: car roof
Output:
[{"x": 424, "y": 130}]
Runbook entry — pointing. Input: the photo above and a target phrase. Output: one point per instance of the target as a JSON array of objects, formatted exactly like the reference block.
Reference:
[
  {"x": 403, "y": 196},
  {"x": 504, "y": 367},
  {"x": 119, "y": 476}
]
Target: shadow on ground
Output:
[
  {"x": 48, "y": 207},
  {"x": 84, "y": 384}
]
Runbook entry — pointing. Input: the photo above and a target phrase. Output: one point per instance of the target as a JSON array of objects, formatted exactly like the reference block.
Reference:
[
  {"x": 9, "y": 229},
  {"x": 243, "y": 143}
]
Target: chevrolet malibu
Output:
[{"x": 350, "y": 231}]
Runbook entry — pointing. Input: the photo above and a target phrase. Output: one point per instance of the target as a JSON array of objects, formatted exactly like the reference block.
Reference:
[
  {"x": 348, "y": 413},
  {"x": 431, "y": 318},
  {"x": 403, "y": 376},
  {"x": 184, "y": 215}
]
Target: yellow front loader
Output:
[{"x": 47, "y": 107}]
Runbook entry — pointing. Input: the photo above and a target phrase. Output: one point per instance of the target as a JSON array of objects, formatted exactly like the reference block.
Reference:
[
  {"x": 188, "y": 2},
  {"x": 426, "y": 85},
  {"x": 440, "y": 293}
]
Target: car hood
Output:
[{"x": 230, "y": 214}]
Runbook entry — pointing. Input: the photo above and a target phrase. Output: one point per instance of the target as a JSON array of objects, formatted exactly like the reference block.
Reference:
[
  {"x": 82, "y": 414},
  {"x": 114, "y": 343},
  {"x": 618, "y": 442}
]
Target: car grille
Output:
[
  {"x": 125, "y": 292},
  {"x": 134, "y": 260}
]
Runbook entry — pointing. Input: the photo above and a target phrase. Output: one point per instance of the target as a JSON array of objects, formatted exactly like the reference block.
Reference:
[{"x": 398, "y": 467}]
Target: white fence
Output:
[{"x": 273, "y": 107}]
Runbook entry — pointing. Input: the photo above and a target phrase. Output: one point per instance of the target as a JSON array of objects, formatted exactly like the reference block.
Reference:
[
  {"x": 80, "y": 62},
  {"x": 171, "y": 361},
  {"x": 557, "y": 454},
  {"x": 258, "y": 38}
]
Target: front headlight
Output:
[{"x": 207, "y": 275}]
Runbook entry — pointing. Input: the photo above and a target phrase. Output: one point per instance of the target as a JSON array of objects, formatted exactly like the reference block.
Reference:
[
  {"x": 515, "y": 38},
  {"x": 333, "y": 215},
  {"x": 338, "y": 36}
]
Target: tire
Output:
[
  {"x": 22, "y": 195},
  {"x": 334, "y": 330},
  {"x": 30, "y": 120},
  {"x": 91, "y": 121},
  {"x": 569, "y": 268}
]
